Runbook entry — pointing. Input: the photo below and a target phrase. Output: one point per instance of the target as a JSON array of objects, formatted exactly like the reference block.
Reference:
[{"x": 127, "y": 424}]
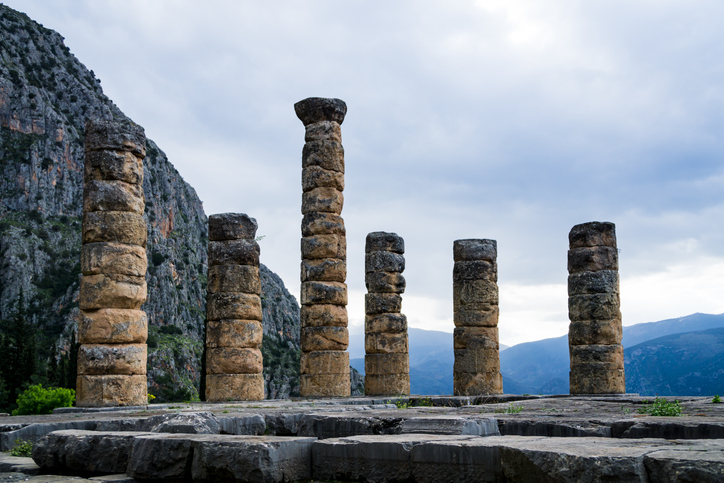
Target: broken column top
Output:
[
  {"x": 381, "y": 241},
  {"x": 318, "y": 109},
  {"x": 123, "y": 135},
  {"x": 475, "y": 249},
  {"x": 593, "y": 234},
  {"x": 232, "y": 226}
]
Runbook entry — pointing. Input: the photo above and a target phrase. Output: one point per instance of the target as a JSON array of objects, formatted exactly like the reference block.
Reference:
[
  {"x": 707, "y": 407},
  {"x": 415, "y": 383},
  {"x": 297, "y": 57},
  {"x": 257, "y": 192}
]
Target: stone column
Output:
[
  {"x": 324, "y": 336},
  {"x": 233, "y": 311},
  {"x": 112, "y": 329},
  {"x": 387, "y": 361},
  {"x": 475, "y": 301},
  {"x": 594, "y": 336}
]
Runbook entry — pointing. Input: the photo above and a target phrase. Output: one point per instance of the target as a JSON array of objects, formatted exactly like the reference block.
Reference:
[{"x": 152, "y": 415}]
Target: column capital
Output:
[{"x": 318, "y": 109}]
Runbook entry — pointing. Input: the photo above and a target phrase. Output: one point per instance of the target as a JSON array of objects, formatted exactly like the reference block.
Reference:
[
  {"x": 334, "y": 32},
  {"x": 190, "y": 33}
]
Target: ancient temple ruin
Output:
[
  {"x": 387, "y": 361},
  {"x": 324, "y": 336},
  {"x": 233, "y": 311},
  {"x": 594, "y": 335},
  {"x": 112, "y": 331}
]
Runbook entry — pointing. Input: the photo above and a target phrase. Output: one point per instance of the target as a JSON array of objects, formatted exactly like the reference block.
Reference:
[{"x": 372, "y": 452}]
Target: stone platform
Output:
[{"x": 424, "y": 439}]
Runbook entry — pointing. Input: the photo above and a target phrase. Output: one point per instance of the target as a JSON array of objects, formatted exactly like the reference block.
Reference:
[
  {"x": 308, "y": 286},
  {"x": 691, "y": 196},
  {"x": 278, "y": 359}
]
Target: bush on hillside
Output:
[{"x": 38, "y": 400}]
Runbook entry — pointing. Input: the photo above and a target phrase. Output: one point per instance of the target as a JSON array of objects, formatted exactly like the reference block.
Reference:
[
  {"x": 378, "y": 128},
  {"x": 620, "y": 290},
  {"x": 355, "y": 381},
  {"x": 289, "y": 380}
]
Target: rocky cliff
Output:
[{"x": 46, "y": 95}]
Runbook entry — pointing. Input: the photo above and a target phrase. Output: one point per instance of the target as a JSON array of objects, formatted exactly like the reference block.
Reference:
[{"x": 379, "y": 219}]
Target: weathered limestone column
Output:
[
  {"x": 475, "y": 302},
  {"x": 233, "y": 311},
  {"x": 112, "y": 330},
  {"x": 594, "y": 336},
  {"x": 324, "y": 336},
  {"x": 387, "y": 361}
]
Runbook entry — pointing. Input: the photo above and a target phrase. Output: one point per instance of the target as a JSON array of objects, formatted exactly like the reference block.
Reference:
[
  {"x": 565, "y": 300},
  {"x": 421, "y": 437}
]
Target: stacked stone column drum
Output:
[
  {"x": 475, "y": 302},
  {"x": 112, "y": 330},
  {"x": 233, "y": 311},
  {"x": 324, "y": 336},
  {"x": 387, "y": 361},
  {"x": 594, "y": 335}
]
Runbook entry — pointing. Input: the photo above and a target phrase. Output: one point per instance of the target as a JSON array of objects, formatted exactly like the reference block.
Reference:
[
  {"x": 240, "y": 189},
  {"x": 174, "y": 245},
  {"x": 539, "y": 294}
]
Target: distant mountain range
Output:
[{"x": 682, "y": 356}]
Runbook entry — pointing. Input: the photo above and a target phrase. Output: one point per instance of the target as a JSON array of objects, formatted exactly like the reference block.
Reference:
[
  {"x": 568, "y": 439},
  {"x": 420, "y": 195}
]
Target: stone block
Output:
[
  {"x": 234, "y": 387},
  {"x": 158, "y": 457},
  {"x": 386, "y": 342},
  {"x": 324, "y": 246},
  {"x": 603, "y": 281},
  {"x": 385, "y": 323},
  {"x": 322, "y": 224},
  {"x": 385, "y": 282},
  {"x": 111, "y": 390},
  {"x": 324, "y": 339},
  {"x": 476, "y": 316},
  {"x": 479, "y": 294},
  {"x": 476, "y": 360},
  {"x": 603, "y": 306},
  {"x": 593, "y": 234},
  {"x": 113, "y": 258},
  {"x": 234, "y": 278},
  {"x": 322, "y": 200},
  {"x": 251, "y": 458},
  {"x": 326, "y": 154},
  {"x": 324, "y": 385},
  {"x": 115, "y": 136},
  {"x": 683, "y": 464},
  {"x": 476, "y": 338},
  {"x": 317, "y": 177},
  {"x": 475, "y": 249},
  {"x": 382, "y": 303},
  {"x": 380, "y": 241},
  {"x": 475, "y": 270},
  {"x": 592, "y": 259},
  {"x": 233, "y": 305},
  {"x": 234, "y": 333},
  {"x": 114, "y": 226},
  {"x": 101, "y": 359},
  {"x": 112, "y": 326},
  {"x": 233, "y": 360},
  {"x": 323, "y": 131},
  {"x": 476, "y": 384},
  {"x": 587, "y": 332},
  {"x": 323, "y": 315},
  {"x": 381, "y": 364},
  {"x": 387, "y": 384},
  {"x": 113, "y": 166},
  {"x": 111, "y": 291},
  {"x": 234, "y": 252},
  {"x": 324, "y": 270},
  {"x": 232, "y": 226},
  {"x": 315, "y": 293},
  {"x": 597, "y": 378},
  {"x": 384, "y": 262},
  {"x": 607, "y": 354},
  {"x": 113, "y": 196},
  {"x": 324, "y": 362},
  {"x": 313, "y": 110}
]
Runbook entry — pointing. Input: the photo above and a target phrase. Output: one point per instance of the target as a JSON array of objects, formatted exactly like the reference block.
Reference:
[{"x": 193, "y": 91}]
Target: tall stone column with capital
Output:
[
  {"x": 387, "y": 361},
  {"x": 324, "y": 336},
  {"x": 594, "y": 335},
  {"x": 233, "y": 311},
  {"x": 475, "y": 302},
  {"x": 112, "y": 330}
]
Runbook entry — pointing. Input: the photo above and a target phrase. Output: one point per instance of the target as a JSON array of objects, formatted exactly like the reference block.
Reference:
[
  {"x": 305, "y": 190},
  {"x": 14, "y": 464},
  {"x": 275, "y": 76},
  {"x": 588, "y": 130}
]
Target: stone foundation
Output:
[
  {"x": 594, "y": 336},
  {"x": 112, "y": 330},
  {"x": 324, "y": 336},
  {"x": 475, "y": 302},
  {"x": 233, "y": 311}
]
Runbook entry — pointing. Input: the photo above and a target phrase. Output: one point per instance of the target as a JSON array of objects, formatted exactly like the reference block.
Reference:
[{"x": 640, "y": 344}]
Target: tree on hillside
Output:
[{"x": 19, "y": 349}]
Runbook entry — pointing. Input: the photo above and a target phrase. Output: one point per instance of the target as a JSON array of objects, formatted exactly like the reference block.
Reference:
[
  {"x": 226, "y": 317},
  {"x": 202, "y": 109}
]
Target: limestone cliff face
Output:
[{"x": 45, "y": 96}]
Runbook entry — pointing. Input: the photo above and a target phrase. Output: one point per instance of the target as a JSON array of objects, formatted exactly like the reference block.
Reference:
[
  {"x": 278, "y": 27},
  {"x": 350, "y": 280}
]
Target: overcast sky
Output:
[{"x": 510, "y": 120}]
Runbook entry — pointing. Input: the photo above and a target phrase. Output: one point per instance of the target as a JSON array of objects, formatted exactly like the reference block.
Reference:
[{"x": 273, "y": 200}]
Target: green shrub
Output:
[
  {"x": 22, "y": 448},
  {"x": 661, "y": 407},
  {"x": 37, "y": 400},
  {"x": 716, "y": 399}
]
